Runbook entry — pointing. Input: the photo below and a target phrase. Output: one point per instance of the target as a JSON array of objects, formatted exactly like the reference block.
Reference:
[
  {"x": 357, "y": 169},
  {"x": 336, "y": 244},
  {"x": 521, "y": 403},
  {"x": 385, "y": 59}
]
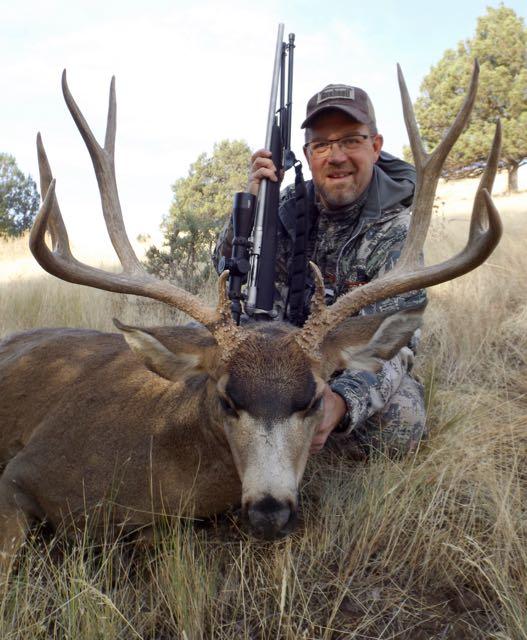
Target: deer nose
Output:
[{"x": 271, "y": 518}]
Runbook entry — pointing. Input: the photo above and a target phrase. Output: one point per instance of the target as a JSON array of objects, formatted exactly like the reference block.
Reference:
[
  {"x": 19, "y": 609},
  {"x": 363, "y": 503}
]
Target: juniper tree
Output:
[
  {"x": 202, "y": 201},
  {"x": 19, "y": 198},
  {"x": 500, "y": 46}
]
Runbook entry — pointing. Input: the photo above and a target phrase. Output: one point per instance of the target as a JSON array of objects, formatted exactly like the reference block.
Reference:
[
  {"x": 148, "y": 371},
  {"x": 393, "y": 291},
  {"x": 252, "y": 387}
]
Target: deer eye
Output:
[{"x": 227, "y": 407}]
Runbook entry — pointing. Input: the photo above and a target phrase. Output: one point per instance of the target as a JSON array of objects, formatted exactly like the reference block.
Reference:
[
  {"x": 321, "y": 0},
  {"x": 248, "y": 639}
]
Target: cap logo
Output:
[{"x": 331, "y": 93}]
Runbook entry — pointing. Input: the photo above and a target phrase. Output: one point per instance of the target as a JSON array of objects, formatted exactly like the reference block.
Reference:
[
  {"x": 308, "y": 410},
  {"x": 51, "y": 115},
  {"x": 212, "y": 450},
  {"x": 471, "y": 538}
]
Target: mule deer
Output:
[{"x": 191, "y": 420}]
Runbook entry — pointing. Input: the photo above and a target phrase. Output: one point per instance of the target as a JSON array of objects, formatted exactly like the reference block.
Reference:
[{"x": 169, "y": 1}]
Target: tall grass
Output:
[{"x": 434, "y": 546}]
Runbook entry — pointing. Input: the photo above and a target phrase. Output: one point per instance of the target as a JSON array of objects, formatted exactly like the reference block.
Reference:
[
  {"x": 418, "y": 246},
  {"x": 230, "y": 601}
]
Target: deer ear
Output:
[
  {"x": 365, "y": 342},
  {"x": 173, "y": 365}
]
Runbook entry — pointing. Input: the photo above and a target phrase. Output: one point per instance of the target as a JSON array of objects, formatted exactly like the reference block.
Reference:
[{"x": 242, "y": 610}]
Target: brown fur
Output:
[
  {"x": 85, "y": 423},
  {"x": 79, "y": 402}
]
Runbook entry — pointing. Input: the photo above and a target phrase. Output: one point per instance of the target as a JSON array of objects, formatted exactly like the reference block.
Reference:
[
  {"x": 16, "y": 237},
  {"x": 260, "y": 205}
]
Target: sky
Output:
[{"x": 191, "y": 74}]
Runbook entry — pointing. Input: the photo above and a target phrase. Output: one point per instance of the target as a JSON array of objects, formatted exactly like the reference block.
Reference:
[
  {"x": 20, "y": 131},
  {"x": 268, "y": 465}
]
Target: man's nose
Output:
[{"x": 336, "y": 155}]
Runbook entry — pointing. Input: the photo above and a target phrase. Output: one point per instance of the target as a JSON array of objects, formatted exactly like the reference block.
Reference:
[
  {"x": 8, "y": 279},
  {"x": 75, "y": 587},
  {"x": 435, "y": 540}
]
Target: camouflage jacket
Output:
[{"x": 351, "y": 247}]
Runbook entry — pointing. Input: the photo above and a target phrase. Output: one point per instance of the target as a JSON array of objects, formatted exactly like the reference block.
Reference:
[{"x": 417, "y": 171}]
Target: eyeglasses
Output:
[{"x": 347, "y": 144}]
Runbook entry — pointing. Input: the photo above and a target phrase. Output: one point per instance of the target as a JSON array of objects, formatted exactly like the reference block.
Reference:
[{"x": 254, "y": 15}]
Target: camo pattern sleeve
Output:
[
  {"x": 367, "y": 393},
  {"x": 385, "y": 247}
]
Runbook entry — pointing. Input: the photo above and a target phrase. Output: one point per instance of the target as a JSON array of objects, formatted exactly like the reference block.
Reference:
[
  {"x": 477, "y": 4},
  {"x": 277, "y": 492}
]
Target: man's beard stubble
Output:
[{"x": 338, "y": 200}]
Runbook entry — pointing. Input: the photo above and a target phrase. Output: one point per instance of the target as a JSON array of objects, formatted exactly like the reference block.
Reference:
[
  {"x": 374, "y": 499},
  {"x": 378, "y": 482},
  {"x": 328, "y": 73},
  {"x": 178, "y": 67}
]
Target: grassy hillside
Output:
[{"x": 434, "y": 546}]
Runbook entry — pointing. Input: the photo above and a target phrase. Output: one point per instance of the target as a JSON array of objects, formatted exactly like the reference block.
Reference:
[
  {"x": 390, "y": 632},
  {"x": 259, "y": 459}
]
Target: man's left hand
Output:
[{"x": 334, "y": 410}]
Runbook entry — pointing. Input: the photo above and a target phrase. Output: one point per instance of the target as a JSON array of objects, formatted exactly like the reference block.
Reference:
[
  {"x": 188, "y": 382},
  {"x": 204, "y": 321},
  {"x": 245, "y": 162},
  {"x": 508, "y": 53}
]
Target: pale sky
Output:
[{"x": 189, "y": 75}]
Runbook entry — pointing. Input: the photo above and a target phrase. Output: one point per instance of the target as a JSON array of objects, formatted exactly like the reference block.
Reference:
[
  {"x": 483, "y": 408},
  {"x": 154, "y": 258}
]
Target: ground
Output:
[{"x": 433, "y": 546}]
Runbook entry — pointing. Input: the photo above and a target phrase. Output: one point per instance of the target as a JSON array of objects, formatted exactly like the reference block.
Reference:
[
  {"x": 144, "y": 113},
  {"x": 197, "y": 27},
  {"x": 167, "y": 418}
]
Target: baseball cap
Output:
[{"x": 351, "y": 100}]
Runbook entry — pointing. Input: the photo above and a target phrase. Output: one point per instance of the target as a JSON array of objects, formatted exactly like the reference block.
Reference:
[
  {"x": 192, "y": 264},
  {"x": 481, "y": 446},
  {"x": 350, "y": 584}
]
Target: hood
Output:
[{"x": 391, "y": 189}]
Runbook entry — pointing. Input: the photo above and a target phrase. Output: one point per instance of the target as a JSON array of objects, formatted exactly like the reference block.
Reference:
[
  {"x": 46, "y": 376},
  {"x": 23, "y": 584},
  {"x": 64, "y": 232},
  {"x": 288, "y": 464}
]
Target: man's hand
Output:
[
  {"x": 334, "y": 410},
  {"x": 262, "y": 166}
]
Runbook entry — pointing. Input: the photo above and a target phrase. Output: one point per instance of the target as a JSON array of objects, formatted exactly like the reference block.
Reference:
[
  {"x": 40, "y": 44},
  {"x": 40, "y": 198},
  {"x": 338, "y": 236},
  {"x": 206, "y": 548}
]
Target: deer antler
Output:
[
  {"x": 60, "y": 262},
  {"x": 408, "y": 274}
]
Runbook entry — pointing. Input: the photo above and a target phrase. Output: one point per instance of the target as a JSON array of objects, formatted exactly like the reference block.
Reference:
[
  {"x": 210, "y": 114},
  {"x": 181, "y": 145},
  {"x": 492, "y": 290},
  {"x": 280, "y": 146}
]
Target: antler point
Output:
[{"x": 64, "y": 82}]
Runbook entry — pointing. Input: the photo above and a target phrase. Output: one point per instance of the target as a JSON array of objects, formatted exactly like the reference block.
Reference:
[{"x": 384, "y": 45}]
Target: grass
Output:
[{"x": 433, "y": 546}]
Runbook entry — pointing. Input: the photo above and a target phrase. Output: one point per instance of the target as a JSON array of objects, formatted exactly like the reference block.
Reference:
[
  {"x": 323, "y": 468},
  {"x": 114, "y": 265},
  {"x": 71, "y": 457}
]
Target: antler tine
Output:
[
  {"x": 408, "y": 274},
  {"x": 57, "y": 229},
  {"x": 103, "y": 164},
  {"x": 318, "y": 302},
  {"x": 226, "y": 332},
  {"x": 224, "y": 302},
  {"x": 111, "y": 122},
  {"x": 428, "y": 168},
  {"x": 441, "y": 152},
  {"x": 308, "y": 337},
  {"x": 66, "y": 267},
  {"x": 480, "y": 245},
  {"x": 486, "y": 182},
  {"x": 60, "y": 262},
  {"x": 416, "y": 143}
]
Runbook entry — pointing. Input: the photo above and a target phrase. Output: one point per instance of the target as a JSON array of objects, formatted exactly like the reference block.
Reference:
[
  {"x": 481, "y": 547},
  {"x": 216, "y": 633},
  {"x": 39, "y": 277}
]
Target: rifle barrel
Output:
[
  {"x": 287, "y": 141},
  {"x": 274, "y": 86},
  {"x": 262, "y": 195},
  {"x": 282, "y": 122}
]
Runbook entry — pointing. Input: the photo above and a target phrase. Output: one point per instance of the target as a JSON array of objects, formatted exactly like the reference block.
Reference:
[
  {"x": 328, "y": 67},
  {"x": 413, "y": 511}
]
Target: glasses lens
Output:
[
  {"x": 351, "y": 143},
  {"x": 320, "y": 148}
]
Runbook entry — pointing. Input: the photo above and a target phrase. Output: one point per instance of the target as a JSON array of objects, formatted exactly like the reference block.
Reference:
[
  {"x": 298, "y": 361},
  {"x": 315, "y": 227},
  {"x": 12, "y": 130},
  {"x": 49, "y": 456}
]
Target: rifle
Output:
[{"x": 255, "y": 219}]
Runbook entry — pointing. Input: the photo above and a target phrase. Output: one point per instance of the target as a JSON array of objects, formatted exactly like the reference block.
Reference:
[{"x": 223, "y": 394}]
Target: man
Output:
[{"x": 358, "y": 207}]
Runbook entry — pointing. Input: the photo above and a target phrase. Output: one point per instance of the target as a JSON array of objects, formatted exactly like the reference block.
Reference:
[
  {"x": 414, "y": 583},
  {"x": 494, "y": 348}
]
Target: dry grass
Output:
[{"x": 430, "y": 547}]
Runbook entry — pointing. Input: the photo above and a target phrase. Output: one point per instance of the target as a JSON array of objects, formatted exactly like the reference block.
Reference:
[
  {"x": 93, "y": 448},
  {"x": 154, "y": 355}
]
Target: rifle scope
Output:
[{"x": 255, "y": 221}]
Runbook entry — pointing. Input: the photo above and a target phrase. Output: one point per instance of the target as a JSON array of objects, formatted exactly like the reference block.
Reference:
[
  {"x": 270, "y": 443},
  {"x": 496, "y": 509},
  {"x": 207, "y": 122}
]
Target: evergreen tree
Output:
[
  {"x": 500, "y": 46},
  {"x": 19, "y": 198},
  {"x": 202, "y": 202}
]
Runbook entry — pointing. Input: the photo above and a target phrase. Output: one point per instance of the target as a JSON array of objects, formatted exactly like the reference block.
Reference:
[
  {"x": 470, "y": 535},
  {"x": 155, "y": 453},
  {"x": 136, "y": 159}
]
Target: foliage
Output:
[
  {"x": 202, "y": 202},
  {"x": 500, "y": 46},
  {"x": 19, "y": 198}
]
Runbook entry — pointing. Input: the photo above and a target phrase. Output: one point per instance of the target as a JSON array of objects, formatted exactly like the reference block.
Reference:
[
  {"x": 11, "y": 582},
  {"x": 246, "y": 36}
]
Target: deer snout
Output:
[{"x": 271, "y": 518}]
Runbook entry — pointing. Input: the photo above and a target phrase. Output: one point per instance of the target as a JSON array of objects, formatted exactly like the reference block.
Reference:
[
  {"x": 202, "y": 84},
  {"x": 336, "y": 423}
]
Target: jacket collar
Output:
[{"x": 386, "y": 196}]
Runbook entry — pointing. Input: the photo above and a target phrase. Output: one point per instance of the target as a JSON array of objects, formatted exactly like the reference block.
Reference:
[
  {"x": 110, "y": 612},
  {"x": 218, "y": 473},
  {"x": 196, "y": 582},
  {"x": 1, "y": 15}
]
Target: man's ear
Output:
[
  {"x": 365, "y": 342},
  {"x": 378, "y": 141},
  {"x": 188, "y": 358},
  {"x": 307, "y": 157}
]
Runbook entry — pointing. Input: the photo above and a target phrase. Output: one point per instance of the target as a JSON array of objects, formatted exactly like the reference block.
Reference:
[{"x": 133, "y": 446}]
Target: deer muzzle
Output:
[{"x": 270, "y": 518}]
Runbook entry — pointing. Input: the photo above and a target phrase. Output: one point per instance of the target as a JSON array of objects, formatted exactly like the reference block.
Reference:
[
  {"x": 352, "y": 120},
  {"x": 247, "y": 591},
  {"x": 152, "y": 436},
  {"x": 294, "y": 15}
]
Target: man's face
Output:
[{"x": 341, "y": 177}]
